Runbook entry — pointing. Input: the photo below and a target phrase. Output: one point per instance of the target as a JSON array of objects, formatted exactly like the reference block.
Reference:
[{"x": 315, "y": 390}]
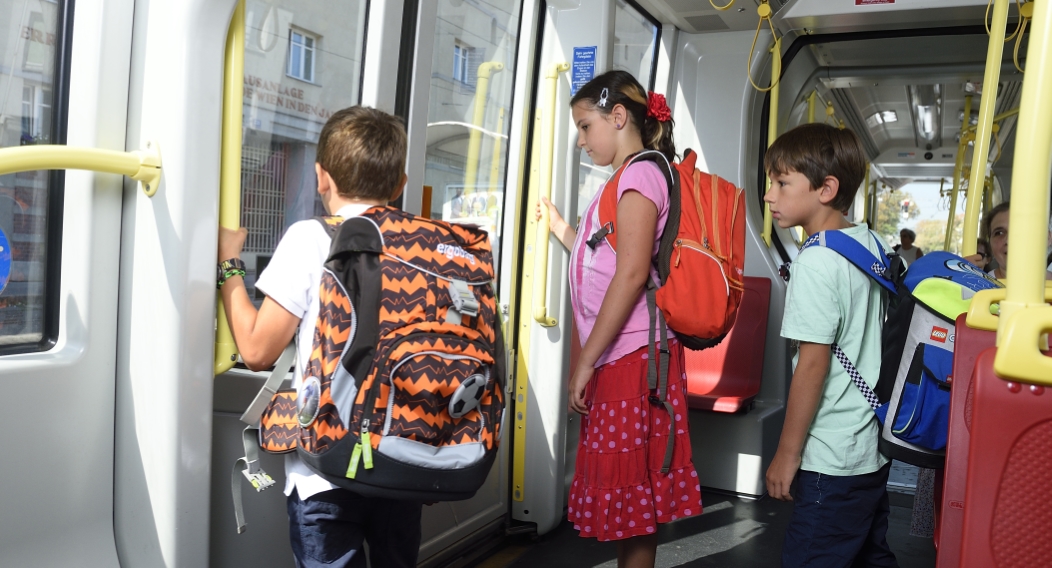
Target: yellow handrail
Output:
[
  {"x": 230, "y": 167},
  {"x": 865, "y": 195},
  {"x": 957, "y": 169},
  {"x": 981, "y": 150},
  {"x": 540, "y": 244},
  {"x": 485, "y": 71},
  {"x": 811, "y": 106},
  {"x": 772, "y": 130},
  {"x": 1024, "y": 316},
  {"x": 141, "y": 165}
]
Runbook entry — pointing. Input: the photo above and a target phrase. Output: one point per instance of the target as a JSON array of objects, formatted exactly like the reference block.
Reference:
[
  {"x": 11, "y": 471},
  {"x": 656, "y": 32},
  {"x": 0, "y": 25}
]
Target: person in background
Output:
[
  {"x": 906, "y": 250},
  {"x": 996, "y": 226}
]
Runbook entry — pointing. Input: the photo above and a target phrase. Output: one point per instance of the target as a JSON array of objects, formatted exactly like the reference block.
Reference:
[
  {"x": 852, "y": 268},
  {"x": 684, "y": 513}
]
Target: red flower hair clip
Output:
[{"x": 657, "y": 107}]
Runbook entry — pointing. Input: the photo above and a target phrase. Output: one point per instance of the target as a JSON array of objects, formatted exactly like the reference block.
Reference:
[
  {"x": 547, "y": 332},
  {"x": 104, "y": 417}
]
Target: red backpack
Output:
[{"x": 702, "y": 251}]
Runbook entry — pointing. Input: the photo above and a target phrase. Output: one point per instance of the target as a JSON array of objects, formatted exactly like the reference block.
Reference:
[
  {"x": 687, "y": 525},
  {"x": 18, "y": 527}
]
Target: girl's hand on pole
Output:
[
  {"x": 556, "y": 224},
  {"x": 578, "y": 385}
]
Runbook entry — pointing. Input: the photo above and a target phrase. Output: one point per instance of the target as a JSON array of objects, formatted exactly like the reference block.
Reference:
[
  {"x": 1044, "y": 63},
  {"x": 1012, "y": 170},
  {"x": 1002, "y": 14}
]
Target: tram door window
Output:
[
  {"x": 303, "y": 62},
  {"x": 635, "y": 50},
  {"x": 469, "y": 117},
  {"x": 27, "y": 78}
]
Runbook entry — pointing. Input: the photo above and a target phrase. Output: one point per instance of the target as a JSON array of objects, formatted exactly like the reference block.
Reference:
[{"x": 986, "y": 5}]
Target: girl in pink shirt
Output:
[{"x": 618, "y": 491}]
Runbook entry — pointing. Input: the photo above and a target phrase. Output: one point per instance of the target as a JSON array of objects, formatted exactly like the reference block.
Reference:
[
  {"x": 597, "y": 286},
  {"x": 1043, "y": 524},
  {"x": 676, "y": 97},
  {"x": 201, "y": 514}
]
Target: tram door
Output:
[
  {"x": 580, "y": 40},
  {"x": 58, "y": 299},
  {"x": 305, "y": 61}
]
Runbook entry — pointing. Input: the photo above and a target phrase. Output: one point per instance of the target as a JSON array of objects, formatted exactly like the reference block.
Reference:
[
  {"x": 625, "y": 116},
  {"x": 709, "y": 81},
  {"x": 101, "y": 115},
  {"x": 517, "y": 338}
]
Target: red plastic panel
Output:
[
  {"x": 949, "y": 517},
  {"x": 727, "y": 377},
  {"x": 1009, "y": 485}
]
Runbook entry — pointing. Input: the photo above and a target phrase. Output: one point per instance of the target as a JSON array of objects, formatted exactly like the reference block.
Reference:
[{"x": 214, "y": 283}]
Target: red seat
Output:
[
  {"x": 1009, "y": 489},
  {"x": 949, "y": 516},
  {"x": 726, "y": 378}
]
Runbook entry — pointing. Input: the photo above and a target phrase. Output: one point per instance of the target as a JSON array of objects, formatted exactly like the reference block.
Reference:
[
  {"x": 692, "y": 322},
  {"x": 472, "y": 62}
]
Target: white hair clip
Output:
[{"x": 602, "y": 97}]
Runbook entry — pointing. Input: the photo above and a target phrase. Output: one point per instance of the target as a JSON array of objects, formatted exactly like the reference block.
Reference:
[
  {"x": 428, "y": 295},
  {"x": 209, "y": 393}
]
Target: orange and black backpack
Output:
[
  {"x": 700, "y": 261},
  {"x": 403, "y": 395}
]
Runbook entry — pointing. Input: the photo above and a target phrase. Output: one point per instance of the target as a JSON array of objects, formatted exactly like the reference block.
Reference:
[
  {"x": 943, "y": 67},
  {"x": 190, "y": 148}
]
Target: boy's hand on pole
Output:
[
  {"x": 780, "y": 475},
  {"x": 231, "y": 242}
]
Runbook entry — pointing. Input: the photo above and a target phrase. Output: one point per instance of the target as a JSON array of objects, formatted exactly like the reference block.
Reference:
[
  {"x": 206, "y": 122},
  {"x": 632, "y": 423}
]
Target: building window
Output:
[
  {"x": 465, "y": 64},
  {"x": 301, "y": 56},
  {"x": 36, "y": 114}
]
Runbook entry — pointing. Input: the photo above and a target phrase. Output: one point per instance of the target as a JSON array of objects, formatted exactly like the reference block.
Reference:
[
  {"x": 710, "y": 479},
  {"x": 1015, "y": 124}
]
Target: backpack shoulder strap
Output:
[
  {"x": 608, "y": 199},
  {"x": 330, "y": 223},
  {"x": 875, "y": 267}
]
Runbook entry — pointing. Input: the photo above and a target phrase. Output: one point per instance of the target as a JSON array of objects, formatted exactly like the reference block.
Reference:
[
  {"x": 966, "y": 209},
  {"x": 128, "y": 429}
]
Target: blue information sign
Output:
[
  {"x": 583, "y": 69},
  {"x": 5, "y": 260}
]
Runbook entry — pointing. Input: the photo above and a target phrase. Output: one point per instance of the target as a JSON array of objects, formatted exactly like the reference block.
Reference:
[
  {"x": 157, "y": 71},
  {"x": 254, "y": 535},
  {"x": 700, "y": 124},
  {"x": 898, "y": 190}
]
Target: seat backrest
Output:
[
  {"x": 725, "y": 378},
  {"x": 949, "y": 514},
  {"x": 1009, "y": 486}
]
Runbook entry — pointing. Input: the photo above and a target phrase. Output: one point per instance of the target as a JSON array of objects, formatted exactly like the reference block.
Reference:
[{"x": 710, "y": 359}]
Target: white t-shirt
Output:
[{"x": 291, "y": 279}]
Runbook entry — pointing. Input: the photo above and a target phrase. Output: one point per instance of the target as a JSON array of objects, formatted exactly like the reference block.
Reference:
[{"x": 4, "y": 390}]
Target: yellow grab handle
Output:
[
  {"x": 772, "y": 130},
  {"x": 141, "y": 165},
  {"x": 981, "y": 312},
  {"x": 544, "y": 188},
  {"x": 230, "y": 168},
  {"x": 1019, "y": 356}
]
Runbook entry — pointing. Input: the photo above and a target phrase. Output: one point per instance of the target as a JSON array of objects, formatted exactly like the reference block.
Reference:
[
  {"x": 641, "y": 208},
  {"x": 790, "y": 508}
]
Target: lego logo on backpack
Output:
[{"x": 939, "y": 334}]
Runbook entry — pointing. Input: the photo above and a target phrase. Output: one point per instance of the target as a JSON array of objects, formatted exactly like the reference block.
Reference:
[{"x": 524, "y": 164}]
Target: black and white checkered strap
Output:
[{"x": 856, "y": 377}]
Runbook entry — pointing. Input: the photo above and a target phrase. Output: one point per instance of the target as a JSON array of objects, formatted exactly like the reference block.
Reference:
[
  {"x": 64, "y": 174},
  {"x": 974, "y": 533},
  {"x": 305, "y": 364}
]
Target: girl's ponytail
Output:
[{"x": 648, "y": 112}]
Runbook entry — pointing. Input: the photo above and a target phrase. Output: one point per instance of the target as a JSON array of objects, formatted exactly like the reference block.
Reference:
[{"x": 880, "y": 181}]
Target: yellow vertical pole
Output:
[
  {"x": 811, "y": 106},
  {"x": 957, "y": 169},
  {"x": 1030, "y": 174},
  {"x": 865, "y": 196},
  {"x": 230, "y": 167},
  {"x": 494, "y": 166},
  {"x": 540, "y": 253},
  {"x": 981, "y": 151},
  {"x": 772, "y": 130},
  {"x": 485, "y": 71}
]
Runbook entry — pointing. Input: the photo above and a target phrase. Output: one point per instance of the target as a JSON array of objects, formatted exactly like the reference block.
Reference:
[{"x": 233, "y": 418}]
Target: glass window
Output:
[
  {"x": 635, "y": 50},
  {"x": 27, "y": 76},
  {"x": 301, "y": 56},
  {"x": 470, "y": 111},
  {"x": 283, "y": 116}
]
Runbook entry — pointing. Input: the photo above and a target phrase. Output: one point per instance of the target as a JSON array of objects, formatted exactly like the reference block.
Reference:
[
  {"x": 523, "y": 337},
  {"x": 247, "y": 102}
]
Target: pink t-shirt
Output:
[{"x": 591, "y": 271}]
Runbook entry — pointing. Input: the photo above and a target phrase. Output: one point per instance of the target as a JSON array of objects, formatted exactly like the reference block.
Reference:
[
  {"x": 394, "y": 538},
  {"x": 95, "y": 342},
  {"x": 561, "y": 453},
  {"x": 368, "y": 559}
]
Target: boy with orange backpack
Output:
[
  {"x": 398, "y": 393},
  {"x": 634, "y": 466}
]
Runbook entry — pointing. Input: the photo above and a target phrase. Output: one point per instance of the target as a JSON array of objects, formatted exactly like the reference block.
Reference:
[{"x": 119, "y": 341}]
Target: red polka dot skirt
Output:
[{"x": 618, "y": 489}]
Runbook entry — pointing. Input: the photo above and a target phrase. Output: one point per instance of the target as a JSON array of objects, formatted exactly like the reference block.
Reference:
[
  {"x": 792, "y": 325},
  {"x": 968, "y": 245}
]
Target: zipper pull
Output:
[
  {"x": 679, "y": 251},
  {"x": 356, "y": 456},
  {"x": 367, "y": 445}
]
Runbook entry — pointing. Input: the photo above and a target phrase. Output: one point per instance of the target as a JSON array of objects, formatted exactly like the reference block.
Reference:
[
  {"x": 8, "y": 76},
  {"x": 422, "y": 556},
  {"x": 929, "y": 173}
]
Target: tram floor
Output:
[{"x": 732, "y": 532}]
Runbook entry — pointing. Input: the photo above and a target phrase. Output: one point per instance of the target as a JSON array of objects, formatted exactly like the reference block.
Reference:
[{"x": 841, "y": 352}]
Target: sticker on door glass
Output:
[
  {"x": 872, "y": 2},
  {"x": 5, "y": 260},
  {"x": 583, "y": 69}
]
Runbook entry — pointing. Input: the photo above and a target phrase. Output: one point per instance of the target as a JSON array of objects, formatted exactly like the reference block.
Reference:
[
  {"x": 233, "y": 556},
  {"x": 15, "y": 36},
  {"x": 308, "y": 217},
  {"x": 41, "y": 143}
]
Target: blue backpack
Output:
[{"x": 912, "y": 396}]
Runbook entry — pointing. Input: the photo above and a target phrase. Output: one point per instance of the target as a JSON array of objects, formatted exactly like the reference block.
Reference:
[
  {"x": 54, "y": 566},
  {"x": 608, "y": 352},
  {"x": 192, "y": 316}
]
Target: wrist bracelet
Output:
[{"x": 228, "y": 275}]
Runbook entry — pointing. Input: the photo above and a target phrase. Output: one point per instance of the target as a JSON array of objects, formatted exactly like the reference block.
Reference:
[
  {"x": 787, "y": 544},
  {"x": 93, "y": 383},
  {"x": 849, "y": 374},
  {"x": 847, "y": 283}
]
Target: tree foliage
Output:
[{"x": 894, "y": 207}]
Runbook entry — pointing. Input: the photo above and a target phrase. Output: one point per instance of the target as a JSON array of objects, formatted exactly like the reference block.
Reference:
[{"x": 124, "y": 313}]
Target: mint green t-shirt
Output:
[{"x": 830, "y": 300}]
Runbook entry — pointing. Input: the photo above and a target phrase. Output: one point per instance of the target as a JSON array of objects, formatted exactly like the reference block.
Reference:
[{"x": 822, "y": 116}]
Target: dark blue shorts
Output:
[
  {"x": 327, "y": 530},
  {"x": 839, "y": 521}
]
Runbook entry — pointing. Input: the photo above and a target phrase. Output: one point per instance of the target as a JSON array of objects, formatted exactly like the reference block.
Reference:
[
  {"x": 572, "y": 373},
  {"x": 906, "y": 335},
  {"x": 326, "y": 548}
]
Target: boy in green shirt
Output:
[{"x": 829, "y": 439}]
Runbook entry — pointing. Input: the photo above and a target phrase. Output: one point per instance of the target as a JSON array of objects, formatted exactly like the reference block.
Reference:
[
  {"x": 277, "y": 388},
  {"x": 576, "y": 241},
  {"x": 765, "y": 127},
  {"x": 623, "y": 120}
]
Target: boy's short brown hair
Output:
[
  {"x": 817, "y": 151},
  {"x": 363, "y": 149}
]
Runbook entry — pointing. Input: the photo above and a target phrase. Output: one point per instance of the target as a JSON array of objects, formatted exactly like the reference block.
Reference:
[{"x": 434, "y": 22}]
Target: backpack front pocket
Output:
[
  {"x": 279, "y": 426},
  {"x": 922, "y": 416}
]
